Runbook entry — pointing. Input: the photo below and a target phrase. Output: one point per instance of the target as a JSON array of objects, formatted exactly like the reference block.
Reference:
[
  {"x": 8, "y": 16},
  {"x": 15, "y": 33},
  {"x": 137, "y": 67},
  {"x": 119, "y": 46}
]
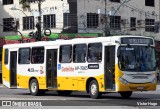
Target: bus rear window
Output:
[{"x": 6, "y": 56}]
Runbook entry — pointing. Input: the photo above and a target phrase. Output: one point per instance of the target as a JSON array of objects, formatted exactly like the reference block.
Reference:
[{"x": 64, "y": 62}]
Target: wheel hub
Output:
[
  {"x": 33, "y": 87},
  {"x": 93, "y": 89}
]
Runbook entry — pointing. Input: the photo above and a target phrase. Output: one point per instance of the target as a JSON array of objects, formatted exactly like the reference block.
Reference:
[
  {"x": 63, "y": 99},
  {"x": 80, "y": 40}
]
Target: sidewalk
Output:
[{"x": 1, "y": 85}]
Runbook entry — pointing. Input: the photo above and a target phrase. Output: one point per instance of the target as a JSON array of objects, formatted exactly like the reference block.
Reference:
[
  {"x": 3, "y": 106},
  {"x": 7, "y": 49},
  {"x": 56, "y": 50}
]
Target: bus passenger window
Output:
[
  {"x": 94, "y": 52},
  {"x": 24, "y": 56},
  {"x": 6, "y": 56},
  {"x": 65, "y": 54},
  {"x": 79, "y": 53},
  {"x": 37, "y": 55}
]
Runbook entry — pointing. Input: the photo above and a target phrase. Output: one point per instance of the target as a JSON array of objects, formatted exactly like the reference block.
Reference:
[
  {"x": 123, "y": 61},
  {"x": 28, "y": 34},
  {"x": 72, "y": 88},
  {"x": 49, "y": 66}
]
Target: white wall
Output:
[
  {"x": 86, "y": 6},
  {"x": 48, "y": 7},
  {"x": 140, "y": 11}
]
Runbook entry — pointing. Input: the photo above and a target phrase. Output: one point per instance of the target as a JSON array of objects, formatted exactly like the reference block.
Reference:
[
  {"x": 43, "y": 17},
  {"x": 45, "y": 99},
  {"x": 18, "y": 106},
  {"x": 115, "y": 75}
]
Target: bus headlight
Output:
[
  {"x": 123, "y": 80},
  {"x": 154, "y": 80}
]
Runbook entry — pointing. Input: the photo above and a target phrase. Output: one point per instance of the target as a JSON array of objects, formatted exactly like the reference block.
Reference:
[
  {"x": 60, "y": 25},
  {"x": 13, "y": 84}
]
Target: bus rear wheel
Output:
[
  {"x": 126, "y": 94},
  {"x": 94, "y": 90},
  {"x": 34, "y": 88},
  {"x": 64, "y": 92}
]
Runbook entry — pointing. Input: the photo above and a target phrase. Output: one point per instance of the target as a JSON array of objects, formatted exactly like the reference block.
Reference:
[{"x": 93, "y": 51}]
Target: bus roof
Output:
[{"x": 72, "y": 41}]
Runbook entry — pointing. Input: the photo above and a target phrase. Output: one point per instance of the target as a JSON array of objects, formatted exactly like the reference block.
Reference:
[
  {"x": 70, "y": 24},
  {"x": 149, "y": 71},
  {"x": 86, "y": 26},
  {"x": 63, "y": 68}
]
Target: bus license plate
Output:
[{"x": 139, "y": 88}]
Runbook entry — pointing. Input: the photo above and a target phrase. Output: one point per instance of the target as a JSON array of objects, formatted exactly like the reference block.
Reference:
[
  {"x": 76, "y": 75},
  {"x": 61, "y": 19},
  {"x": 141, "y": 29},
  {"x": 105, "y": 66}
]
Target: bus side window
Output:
[
  {"x": 65, "y": 54},
  {"x": 37, "y": 55},
  {"x": 24, "y": 56},
  {"x": 6, "y": 56},
  {"x": 79, "y": 53},
  {"x": 94, "y": 52}
]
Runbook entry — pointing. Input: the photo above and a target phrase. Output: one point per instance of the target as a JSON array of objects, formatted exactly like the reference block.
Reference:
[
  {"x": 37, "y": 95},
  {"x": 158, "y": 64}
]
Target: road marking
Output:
[{"x": 1, "y": 86}]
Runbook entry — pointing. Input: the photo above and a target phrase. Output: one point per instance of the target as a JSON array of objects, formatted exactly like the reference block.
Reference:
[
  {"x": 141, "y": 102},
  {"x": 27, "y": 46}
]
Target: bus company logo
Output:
[
  {"x": 41, "y": 70},
  {"x": 67, "y": 69},
  {"x": 21, "y": 103}
]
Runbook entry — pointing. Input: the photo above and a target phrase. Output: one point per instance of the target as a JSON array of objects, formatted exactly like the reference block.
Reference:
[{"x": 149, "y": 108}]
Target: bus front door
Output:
[
  {"x": 51, "y": 68},
  {"x": 109, "y": 67},
  {"x": 13, "y": 69}
]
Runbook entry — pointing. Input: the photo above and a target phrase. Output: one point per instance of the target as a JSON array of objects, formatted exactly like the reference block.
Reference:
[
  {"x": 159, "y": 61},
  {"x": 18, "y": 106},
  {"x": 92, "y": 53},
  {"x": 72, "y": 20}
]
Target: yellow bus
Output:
[{"x": 121, "y": 64}]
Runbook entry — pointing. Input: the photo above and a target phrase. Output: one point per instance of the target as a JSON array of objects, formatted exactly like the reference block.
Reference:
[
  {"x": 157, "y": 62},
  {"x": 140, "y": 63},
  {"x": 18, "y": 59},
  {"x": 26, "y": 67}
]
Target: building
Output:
[
  {"x": 55, "y": 15},
  {"x": 138, "y": 17}
]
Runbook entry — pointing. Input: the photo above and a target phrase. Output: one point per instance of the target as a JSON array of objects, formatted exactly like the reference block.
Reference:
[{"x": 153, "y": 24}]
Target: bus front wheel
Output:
[
  {"x": 34, "y": 87},
  {"x": 94, "y": 90},
  {"x": 126, "y": 94}
]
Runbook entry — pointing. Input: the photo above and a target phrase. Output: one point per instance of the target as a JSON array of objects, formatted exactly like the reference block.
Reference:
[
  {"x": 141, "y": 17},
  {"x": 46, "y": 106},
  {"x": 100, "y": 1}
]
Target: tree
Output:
[{"x": 25, "y": 3}]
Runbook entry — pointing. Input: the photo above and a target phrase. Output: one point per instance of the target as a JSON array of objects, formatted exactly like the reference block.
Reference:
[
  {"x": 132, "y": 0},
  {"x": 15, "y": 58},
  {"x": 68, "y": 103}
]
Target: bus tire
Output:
[
  {"x": 64, "y": 92},
  {"x": 126, "y": 94},
  {"x": 34, "y": 88},
  {"x": 94, "y": 90}
]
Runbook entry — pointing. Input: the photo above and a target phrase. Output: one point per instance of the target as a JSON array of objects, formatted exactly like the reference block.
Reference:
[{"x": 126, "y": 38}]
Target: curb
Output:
[{"x": 1, "y": 85}]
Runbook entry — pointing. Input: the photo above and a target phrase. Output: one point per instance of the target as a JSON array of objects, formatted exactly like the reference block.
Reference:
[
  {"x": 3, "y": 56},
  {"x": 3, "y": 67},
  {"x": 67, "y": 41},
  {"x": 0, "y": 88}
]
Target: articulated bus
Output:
[{"x": 121, "y": 64}]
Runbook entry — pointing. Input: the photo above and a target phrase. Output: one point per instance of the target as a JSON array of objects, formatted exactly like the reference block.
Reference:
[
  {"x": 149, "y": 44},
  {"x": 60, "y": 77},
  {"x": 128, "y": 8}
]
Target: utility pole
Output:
[
  {"x": 38, "y": 25},
  {"x": 107, "y": 24},
  {"x": 105, "y": 17}
]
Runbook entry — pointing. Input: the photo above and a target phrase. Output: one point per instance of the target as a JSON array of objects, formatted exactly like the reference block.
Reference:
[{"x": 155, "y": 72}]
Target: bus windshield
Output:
[{"x": 136, "y": 58}]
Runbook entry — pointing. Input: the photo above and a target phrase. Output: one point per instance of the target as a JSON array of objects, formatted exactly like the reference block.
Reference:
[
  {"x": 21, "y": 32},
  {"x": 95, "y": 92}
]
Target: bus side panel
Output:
[
  {"x": 29, "y": 71},
  {"x": 100, "y": 80},
  {"x": 42, "y": 82},
  {"x": 5, "y": 72},
  {"x": 66, "y": 83},
  {"x": 5, "y": 75},
  {"x": 78, "y": 83},
  {"x": 23, "y": 81}
]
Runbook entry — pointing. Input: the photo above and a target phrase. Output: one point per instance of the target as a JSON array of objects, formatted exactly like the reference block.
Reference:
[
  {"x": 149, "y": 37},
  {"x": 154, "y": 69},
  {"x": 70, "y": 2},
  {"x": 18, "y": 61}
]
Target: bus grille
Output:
[{"x": 140, "y": 77}]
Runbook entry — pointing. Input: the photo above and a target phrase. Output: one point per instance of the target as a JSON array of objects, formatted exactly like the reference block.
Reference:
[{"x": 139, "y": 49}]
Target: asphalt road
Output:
[{"x": 149, "y": 99}]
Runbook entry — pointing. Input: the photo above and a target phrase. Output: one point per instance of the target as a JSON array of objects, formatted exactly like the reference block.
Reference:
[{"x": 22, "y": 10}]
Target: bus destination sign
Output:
[{"x": 131, "y": 40}]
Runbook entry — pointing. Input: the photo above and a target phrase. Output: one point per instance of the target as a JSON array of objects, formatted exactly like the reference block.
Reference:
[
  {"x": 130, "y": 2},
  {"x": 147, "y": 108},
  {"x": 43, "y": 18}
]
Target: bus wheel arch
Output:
[
  {"x": 88, "y": 83},
  {"x": 30, "y": 80},
  {"x": 34, "y": 87},
  {"x": 92, "y": 87}
]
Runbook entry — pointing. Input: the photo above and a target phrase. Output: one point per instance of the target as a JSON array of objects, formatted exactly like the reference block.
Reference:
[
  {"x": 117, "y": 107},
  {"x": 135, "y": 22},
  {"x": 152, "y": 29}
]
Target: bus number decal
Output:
[
  {"x": 93, "y": 66},
  {"x": 81, "y": 67},
  {"x": 32, "y": 70}
]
